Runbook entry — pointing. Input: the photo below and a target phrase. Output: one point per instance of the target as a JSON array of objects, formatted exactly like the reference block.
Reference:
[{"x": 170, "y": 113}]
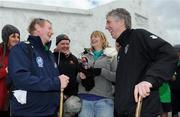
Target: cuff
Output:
[
  {"x": 57, "y": 85},
  {"x": 156, "y": 82}
]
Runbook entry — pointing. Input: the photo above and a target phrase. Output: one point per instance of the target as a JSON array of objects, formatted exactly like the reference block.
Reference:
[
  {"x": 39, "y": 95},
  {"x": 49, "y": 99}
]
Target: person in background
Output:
[
  {"x": 96, "y": 78},
  {"x": 145, "y": 61},
  {"x": 175, "y": 87},
  {"x": 165, "y": 99},
  {"x": 10, "y": 37},
  {"x": 67, "y": 64},
  {"x": 33, "y": 75}
]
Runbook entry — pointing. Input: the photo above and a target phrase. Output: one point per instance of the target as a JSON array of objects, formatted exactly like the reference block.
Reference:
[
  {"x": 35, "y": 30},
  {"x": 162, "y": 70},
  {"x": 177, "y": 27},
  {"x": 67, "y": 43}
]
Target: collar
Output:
[
  {"x": 124, "y": 39},
  {"x": 98, "y": 53},
  {"x": 36, "y": 41}
]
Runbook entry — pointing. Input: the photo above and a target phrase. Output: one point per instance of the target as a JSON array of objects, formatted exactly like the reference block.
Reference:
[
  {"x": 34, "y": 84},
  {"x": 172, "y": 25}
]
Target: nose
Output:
[
  {"x": 106, "y": 27},
  {"x": 17, "y": 38},
  {"x": 66, "y": 45}
]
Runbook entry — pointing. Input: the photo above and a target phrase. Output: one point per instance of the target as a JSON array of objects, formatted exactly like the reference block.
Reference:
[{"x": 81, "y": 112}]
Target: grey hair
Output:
[{"x": 121, "y": 13}]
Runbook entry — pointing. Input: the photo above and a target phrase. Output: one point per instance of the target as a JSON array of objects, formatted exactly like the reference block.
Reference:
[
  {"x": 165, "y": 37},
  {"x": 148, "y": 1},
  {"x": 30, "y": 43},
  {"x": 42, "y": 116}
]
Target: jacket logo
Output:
[
  {"x": 39, "y": 61},
  {"x": 126, "y": 49},
  {"x": 153, "y": 37}
]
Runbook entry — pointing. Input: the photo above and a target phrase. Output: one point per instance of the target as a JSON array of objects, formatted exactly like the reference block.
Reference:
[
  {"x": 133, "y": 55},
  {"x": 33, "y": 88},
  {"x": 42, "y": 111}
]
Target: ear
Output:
[{"x": 122, "y": 22}]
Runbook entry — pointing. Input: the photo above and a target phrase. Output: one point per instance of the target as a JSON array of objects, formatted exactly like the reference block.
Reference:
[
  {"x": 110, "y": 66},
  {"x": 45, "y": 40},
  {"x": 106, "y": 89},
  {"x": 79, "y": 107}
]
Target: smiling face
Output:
[
  {"x": 45, "y": 31},
  {"x": 115, "y": 26},
  {"x": 96, "y": 42},
  {"x": 64, "y": 46},
  {"x": 13, "y": 40}
]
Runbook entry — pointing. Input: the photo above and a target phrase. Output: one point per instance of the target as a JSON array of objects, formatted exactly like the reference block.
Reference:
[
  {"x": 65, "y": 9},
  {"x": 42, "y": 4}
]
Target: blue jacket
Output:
[{"x": 32, "y": 68}]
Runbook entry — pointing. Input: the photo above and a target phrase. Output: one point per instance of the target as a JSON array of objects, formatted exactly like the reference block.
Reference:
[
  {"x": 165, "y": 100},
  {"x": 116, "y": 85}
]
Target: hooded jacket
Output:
[
  {"x": 103, "y": 82},
  {"x": 33, "y": 75},
  {"x": 143, "y": 56}
]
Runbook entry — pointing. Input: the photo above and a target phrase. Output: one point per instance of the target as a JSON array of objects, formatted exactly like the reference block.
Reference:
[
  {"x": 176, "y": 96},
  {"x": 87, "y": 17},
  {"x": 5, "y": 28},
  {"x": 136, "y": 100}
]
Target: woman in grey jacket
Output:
[{"x": 96, "y": 80}]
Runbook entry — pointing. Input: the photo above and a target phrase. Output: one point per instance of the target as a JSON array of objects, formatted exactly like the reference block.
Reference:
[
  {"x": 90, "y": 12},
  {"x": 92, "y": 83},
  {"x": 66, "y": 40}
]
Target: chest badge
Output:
[
  {"x": 39, "y": 61},
  {"x": 153, "y": 37}
]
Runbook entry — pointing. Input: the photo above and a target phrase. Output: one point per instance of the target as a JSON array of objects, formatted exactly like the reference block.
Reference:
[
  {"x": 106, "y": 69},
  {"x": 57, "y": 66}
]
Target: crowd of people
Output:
[{"x": 103, "y": 82}]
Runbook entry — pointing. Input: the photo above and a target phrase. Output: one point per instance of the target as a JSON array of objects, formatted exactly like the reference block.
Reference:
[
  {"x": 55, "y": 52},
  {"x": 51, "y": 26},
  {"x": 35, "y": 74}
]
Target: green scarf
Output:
[{"x": 97, "y": 54}]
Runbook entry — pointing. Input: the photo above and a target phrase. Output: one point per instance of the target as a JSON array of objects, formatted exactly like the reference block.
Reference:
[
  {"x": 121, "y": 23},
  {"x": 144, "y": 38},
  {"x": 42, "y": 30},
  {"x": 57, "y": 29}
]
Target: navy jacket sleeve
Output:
[
  {"x": 162, "y": 58},
  {"x": 21, "y": 76}
]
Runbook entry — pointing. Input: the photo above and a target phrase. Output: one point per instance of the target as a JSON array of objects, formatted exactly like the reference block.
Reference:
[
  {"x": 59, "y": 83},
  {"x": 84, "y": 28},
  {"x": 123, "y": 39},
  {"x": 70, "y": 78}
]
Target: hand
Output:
[
  {"x": 142, "y": 89},
  {"x": 64, "y": 80},
  {"x": 82, "y": 75}
]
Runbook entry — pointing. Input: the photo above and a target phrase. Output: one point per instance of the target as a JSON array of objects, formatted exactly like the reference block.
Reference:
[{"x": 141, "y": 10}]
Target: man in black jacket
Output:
[
  {"x": 67, "y": 65},
  {"x": 144, "y": 62}
]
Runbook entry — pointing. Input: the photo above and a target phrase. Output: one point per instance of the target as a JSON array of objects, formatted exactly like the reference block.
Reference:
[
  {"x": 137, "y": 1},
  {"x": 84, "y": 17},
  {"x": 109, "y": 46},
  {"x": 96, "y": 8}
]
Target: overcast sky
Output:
[{"x": 167, "y": 12}]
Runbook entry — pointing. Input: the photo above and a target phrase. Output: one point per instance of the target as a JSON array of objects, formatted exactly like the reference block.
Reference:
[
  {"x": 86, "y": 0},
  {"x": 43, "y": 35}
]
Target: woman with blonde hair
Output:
[{"x": 96, "y": 79}]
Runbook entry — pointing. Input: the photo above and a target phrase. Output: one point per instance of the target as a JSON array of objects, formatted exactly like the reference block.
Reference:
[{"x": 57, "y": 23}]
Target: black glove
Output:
[
  {"x": 91, "y": 71},
  {"x": 88, "y": 83},
  {"x": 96, "y": 71}
]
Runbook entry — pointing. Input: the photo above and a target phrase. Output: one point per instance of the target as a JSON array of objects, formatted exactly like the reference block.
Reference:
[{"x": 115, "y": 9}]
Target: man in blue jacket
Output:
[
  {"x": 33, "y": 75},
  {"x": 145, "y": 61}
]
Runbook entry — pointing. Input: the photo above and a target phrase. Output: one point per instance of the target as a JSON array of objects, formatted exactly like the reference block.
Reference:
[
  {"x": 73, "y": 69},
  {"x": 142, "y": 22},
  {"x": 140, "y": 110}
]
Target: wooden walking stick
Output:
[
  {"x": 138, "y": 107},
  {"x": 61, "y": 104}
]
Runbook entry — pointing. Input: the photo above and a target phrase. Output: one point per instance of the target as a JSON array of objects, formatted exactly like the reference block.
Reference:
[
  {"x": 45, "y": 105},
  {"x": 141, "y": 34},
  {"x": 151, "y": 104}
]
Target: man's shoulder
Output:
[
  {"x": 21, "y": 47},
  {"x": 21, "y": 44},
  {"x": 140, "y": 31}
]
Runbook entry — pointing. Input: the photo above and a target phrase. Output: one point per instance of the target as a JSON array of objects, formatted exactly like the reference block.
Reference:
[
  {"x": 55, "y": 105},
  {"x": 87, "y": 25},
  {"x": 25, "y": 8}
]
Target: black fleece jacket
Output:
[
  {"x": 143, "y": 56},
  {"x": 68, "y": 65}
]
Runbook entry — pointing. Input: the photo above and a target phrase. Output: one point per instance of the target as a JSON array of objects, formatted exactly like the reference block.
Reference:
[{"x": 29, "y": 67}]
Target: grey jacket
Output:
[{"x": 103, "y": 83}]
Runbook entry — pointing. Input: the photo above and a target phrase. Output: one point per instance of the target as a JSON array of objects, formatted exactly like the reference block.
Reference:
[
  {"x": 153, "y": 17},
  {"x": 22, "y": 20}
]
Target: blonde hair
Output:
[{"x": 102, "y": 36}]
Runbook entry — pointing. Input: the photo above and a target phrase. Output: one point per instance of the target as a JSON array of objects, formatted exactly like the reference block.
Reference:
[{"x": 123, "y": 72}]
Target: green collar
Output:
[
  {"x": 46, "y": 48},
  {"x": 97, "y": 54}
]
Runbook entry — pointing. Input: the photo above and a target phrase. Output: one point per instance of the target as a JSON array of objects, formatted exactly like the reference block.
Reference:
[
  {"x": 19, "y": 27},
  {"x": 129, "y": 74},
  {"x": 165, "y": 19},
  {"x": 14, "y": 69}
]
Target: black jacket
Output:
[
  {"x": 142, "y": 57},
  {"x": 68, "y": 65}
]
